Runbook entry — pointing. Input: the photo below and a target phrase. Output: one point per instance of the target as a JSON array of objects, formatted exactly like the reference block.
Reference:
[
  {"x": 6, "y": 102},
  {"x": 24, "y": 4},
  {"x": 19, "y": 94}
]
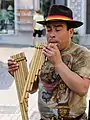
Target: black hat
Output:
[{"x": 61, "y": 13}]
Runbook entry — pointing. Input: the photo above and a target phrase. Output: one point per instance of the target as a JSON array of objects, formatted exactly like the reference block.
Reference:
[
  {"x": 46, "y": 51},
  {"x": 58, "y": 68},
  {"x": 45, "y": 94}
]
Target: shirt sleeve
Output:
[
  {"x": 81, "y": 64},
  {"x": 33, "y": 17}
]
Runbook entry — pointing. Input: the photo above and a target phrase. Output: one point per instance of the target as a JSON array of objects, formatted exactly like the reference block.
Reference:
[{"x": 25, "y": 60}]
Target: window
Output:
[{"x": 7, "y": 16}]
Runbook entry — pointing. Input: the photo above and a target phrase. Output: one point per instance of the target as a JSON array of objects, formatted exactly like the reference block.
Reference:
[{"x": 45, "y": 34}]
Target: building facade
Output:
[{"x": 16, "y": 15}]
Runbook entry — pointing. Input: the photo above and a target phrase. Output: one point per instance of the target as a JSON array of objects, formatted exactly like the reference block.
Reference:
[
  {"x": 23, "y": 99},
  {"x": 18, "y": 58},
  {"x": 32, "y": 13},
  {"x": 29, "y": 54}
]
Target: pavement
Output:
[{"x": 19, "y": 40}]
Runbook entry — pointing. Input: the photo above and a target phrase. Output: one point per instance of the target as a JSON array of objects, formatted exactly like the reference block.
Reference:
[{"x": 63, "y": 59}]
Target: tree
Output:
[{"x": 45, "y": 5}]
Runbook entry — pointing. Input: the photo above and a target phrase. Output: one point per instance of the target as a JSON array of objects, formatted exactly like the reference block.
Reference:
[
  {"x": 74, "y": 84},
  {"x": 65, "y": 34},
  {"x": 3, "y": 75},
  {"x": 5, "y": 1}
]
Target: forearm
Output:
[
  {"x": 34, "y": 23},
  {"x": 72, "y": 80},
  {"x": 35, "y": 87}
]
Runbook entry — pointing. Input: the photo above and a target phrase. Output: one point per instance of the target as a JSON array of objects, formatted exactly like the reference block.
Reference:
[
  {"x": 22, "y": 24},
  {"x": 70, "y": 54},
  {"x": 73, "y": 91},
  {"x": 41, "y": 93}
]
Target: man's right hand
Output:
[{"x": 12, "y": 66}]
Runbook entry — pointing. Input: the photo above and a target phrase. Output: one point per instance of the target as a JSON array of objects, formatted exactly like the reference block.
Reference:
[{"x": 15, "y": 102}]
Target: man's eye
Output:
[
  {"x": 57, "y": 29},
  {"x": 48, "y": 30}
]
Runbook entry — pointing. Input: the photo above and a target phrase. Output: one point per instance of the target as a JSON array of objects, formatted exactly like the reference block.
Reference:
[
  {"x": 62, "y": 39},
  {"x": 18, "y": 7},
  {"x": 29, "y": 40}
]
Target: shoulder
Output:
[
  {"x": 81, "y": 61},
  {"x": 80, "y": 51},
  {"x": 34, "y": 16}
]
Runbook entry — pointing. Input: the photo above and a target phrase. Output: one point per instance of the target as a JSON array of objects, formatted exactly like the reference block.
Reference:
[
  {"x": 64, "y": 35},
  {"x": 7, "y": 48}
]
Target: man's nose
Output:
[{"x": 52, "y": 34}]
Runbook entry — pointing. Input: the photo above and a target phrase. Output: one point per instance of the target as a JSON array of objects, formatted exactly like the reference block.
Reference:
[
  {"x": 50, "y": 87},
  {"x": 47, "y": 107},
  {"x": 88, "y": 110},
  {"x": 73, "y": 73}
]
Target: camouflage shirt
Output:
[{"x": 55, "y": 98}]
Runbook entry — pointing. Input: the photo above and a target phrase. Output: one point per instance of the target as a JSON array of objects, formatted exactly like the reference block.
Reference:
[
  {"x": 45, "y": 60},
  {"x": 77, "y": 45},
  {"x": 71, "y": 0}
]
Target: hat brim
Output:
[{"x": 73, "y": 24}]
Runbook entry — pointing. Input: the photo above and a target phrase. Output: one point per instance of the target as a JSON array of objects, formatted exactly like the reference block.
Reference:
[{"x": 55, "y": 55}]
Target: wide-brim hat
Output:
[{"x": 61, "y": 13}]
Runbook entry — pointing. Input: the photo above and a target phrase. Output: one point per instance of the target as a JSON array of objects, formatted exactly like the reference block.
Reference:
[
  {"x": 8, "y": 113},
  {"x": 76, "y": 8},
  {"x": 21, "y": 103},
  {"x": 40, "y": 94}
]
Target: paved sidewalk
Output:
[{"x": 23, "y": 40}]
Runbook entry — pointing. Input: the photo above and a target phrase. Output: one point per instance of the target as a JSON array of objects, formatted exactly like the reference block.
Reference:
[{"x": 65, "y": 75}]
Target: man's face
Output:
[{"x": 57, "y": 33}]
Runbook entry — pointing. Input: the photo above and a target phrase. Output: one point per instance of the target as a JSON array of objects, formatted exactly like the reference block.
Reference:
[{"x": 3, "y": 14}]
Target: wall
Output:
[
  {"x": 88, "y": 17},
  {"x": 62, "y": 2},
  {"x": 36, "y": 4},
  {"x": 79, "y": 13},
  {"x": 18, "y": 35},
  {"x": 79, "y": 9}
]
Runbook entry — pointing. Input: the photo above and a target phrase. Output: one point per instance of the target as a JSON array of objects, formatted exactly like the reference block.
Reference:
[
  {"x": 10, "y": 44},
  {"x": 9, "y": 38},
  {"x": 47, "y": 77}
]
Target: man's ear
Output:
[{"x": 71, "y": 31}]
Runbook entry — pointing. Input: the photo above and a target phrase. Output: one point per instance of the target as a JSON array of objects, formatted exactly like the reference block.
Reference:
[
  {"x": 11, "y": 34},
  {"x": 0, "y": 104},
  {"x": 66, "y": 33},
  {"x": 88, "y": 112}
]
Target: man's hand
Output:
[
  {"x": 12, "y": 66},
  {"x": 52, "y": 52}
]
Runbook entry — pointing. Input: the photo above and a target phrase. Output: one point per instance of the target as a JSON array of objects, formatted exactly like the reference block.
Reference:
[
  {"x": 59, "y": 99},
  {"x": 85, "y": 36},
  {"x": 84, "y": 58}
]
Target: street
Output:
[{"x": 9, "y": 104}]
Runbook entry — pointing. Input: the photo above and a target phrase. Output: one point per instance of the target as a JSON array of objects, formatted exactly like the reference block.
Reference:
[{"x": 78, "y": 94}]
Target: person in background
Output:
[
  {"x": 37, "y": 27},
  {"x": 65, "y": 76}
]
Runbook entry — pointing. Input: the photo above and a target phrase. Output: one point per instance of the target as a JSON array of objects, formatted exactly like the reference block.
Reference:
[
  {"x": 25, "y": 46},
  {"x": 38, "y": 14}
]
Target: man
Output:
[
  {"x": 38, "y": 28},
  {"x": 64, "y": 78}
]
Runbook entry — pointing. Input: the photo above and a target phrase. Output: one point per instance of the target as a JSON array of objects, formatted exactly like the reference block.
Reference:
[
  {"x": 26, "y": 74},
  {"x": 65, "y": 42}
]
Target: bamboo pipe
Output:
[
  {"x": 19, "y": 78},
  {"x": 38, "y": 67},
  {"x": 32, "y": 71},
  {"x": 32, "y": 77},
  {"x": 22, "y": 72}
]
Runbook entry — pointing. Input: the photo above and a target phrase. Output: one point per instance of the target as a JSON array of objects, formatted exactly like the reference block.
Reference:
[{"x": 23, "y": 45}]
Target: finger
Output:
[
  {"x": 50, "y": 48},
  {"x": 12, "y": 69},
  {"x": 48, "y": 52},
  {"x": 53, "y": 45},
  {"x": 12, "y": 62},
  {"x": 13, "y": 66},
  {"x": 12, "y": 73}
]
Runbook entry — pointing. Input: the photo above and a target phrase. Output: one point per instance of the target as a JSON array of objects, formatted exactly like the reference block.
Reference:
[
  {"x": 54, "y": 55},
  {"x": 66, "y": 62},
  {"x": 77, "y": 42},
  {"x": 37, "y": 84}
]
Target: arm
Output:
[
  {"x": 35, "y": 86},
  {"x": 73, "y": 81},
  {"x": 34, "y": 21},
  {"x": 76, "y": 83}
]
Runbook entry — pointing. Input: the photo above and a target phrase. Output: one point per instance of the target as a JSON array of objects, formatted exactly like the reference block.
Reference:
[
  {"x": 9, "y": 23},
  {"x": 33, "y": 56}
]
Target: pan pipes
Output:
[
  {"x": 24, "y": 80},
  {"x": 20, "y": 79}
]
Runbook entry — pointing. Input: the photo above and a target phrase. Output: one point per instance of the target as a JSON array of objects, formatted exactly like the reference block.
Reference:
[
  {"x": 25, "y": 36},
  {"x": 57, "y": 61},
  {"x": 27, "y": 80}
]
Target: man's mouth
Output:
[{"x": 53, "y": 42}]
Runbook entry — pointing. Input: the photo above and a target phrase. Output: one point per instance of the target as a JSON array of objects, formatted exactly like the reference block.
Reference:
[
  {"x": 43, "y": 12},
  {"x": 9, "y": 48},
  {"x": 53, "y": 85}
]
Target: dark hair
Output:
[
  {"x": 38, "y": 11},
  {"x": 68, "y": 25}
]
